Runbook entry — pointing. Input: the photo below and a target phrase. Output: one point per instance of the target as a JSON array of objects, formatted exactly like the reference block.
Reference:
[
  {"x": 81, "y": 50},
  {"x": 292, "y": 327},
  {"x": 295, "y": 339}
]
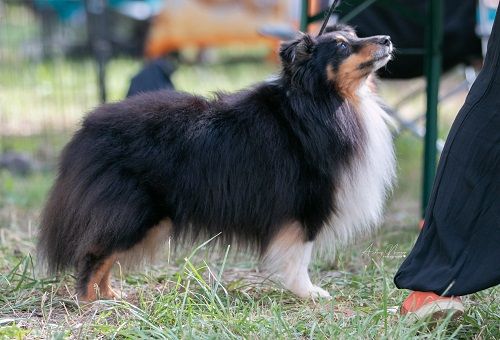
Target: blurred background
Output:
[{"x": 61, "y": 58}]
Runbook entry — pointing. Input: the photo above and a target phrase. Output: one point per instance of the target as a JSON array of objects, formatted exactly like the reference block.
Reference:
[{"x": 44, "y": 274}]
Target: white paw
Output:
[
  {"x": 311, "y": 291},
  {"x": 320, "y": 292}
]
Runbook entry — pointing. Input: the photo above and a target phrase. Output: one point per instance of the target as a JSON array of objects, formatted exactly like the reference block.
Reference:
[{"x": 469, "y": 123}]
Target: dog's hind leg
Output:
[
  {"x": 93, "y": 278},
  {"x": 105, "y": 289},
  {"x": 288, "y": 256},
  {"x": 94, "y": 270}
]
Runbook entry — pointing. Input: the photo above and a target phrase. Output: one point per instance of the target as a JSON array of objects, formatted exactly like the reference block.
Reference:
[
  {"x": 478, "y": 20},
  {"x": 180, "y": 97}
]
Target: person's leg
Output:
[{"x": 457, "y": 251}]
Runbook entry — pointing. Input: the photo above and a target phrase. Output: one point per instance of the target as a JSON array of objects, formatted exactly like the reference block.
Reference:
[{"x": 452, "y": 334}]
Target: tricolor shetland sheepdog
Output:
[{"x": 301, "y": 159}]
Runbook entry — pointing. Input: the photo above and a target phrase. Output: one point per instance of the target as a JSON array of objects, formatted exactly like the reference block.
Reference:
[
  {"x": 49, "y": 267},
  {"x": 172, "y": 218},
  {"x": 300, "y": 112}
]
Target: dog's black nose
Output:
[{"x": 384, "y": 40}]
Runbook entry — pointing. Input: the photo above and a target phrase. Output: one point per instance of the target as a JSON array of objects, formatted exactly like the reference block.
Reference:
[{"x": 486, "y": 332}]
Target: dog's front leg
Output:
[{"x": 288, "y": 257}]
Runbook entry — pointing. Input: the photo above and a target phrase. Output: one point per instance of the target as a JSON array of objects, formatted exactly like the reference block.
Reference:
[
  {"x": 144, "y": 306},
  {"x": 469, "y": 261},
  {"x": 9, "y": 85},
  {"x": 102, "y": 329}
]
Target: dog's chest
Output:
[
  {"x": 378, "y": 150},
  {"x": 364, "y": 183}
]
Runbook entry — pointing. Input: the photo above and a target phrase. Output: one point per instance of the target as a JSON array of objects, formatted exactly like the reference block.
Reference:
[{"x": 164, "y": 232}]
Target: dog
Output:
[{"x": 302, "y": 159}]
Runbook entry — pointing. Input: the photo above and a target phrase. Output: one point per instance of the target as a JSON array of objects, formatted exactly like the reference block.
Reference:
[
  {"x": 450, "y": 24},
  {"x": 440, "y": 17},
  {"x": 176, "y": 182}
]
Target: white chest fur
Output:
[{"x": 364, "y": 185}]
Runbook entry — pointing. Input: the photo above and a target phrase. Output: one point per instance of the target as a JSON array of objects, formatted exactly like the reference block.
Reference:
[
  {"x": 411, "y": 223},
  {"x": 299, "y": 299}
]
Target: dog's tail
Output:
[
  {"x": 56, "y": 247},
  {"x": 63, "y": 218},
  {"x": 93, "y": 209}
]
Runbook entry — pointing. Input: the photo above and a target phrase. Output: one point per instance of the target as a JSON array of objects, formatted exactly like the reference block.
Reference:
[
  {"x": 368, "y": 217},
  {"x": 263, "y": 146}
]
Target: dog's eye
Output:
[{"x": 342, "y": 45}]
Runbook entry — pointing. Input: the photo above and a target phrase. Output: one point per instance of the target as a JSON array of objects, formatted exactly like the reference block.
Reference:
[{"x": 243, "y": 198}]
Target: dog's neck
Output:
[{"x": 325, "y": 125}]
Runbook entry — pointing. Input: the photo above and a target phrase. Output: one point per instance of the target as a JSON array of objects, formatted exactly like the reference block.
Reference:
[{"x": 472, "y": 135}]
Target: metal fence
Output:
[
  {"x": 48, "y": 77},
  {"x": 45, "y": 81}
]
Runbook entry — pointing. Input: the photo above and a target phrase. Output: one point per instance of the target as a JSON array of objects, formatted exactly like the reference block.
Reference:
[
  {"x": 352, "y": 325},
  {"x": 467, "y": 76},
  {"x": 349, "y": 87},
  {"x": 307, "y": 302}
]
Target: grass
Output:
[
  {"x": 202, "y": 294},
  {"x": 198, "y": 297}
]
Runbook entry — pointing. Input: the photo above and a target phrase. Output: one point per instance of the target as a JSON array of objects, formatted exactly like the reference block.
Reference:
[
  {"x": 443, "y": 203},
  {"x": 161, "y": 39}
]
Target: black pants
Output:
[{"x": 458, "y": 250}]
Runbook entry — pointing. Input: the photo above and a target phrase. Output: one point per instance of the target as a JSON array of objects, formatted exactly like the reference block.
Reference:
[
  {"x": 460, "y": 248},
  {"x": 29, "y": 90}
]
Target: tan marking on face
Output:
[
  {"x": 349, "y": 76},
  {"x": 331, "y": 75},
  {"x": 351, "y": 34},
  {"x": 341, "y": 38}
]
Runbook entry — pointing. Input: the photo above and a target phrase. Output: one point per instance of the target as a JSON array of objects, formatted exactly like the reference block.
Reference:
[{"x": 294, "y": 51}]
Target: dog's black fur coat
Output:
[{"x": 242, "y": 164}]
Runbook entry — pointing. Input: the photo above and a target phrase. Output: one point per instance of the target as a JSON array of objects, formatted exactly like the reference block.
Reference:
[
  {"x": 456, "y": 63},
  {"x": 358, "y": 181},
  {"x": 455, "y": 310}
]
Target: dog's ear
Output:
[
  {"x": 340, "y": 27},
  {"x": 297, "y": 50}
]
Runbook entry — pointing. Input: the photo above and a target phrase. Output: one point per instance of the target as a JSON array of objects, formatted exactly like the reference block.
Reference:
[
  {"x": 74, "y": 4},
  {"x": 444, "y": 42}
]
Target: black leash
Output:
[{"x": 328, "y": 15}]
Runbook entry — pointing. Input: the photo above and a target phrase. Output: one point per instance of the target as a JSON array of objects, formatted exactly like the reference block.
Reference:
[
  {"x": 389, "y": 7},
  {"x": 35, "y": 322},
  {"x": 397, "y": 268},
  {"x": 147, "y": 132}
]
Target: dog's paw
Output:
[
  {"x": 318, "y": 292},
  {"x": 311, "y": 292},
  {"x": 111, "y": 294}
]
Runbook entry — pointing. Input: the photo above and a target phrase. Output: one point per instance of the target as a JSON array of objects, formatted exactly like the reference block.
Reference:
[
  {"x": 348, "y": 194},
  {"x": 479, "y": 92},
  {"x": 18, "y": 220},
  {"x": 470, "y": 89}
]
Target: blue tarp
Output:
[{"x": 67, "y": 9}]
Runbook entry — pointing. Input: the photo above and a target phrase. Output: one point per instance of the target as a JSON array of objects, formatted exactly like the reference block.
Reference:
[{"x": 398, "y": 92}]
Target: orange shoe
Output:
[
  {"x": 423, "y": 305},
  {"x": 421, "y": 224}
]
